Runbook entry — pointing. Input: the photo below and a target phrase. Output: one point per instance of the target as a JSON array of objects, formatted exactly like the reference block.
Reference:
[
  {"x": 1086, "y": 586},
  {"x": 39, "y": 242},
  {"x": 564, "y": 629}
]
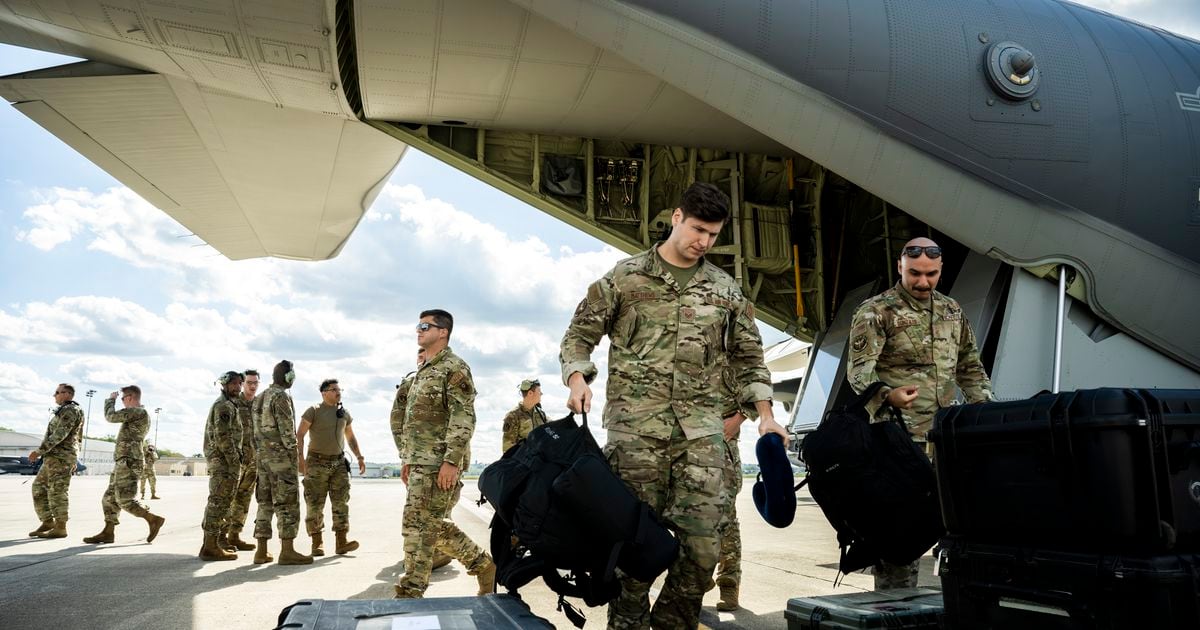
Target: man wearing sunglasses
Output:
[
  {"x": 438, "y": 422},
  {"x": 525, "y": 417},
  {"x": 248, "y": 473},
  {"x": 679, "y": 327},
  {"x": 58, "y": 452},
  {"x": 920, "y": 344},
  {"x": 127, "y": 468}
]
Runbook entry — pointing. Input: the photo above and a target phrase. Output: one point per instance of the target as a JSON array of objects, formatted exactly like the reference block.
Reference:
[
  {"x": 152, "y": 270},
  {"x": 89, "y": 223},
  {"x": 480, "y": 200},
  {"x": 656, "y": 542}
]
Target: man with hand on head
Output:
[
  {"x": 525, "y": 417},
  {"x": 919, "y": 343},
  {"x": 127, "y": 467},
  {"x": 150, "y": 454},
  {"x": 325, "y": 469}
]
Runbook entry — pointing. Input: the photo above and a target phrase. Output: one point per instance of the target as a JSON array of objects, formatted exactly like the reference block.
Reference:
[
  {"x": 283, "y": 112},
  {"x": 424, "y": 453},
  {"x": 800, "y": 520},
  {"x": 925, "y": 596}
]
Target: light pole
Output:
[
  {"x": 157, "y": 410},
  {"x": 86, "y": 420}
]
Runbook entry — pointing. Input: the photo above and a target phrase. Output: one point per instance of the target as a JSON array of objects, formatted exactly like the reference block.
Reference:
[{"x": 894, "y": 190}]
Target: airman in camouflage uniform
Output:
[
  {"x": 278, "y": 471},
  {"x": 150, "y": 454},
  {"x": 248, "y": 474},
  {"x": 127, "y": 456},
  {"x": 325, "y": 469},
  {"x": 223, "y": 452},
  {"x": 438, "y": 422},
  {"x": 58, "y": 452},
  {"x": 525, "y": 416},
  {"x": 441, "y": 558},
  {"x": 920, "y": 344},
  {"x": 678, "y": 327}
]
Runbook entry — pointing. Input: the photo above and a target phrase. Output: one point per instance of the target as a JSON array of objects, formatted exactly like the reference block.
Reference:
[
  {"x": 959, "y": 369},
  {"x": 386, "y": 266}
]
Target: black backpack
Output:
[
  {"x": 555, "y": 494},
  {"x": 874, "y": 484}
]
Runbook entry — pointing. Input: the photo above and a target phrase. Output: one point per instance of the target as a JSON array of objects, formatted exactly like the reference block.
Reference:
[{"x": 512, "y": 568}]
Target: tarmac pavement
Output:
[{"x": 66, "y": 583}]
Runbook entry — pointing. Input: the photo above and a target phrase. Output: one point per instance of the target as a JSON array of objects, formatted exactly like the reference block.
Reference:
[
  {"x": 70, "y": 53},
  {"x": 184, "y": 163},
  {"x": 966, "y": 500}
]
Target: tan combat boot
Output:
[
  {"x": 106, "y": 535},
  {"x": 289, "y": 555},
  {"x": 486, "y": 576},
  {"x": 729, "y": 595},
  {"x": 210, "y": 550},
  {"x": 318, "y": 544},
  {"x": 440, "y": 559},
  {"x": 155, "y": 522},
  {"x": 343, "y": 545},
  {"x": 58, "y": 531},
  {"x": 46, "y": 526},
  {"x": 224, "y": 543},
  {"x": 261, "y": 555},
  {"x": 235, "y": 538}
]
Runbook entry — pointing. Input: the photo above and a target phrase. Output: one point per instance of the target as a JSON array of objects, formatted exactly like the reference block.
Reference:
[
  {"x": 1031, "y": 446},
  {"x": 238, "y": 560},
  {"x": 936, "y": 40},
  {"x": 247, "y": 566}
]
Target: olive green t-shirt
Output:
[
  {"x": 327, "y": 434},
  {"x": 683, "y": 275}
]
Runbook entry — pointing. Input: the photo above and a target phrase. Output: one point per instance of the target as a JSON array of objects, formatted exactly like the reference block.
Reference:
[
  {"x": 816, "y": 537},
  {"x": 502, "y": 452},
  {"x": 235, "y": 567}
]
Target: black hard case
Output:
[
  {"x": 988, "y": 587},
  {"x": 453, "y": 613},
  {"x": 910, "y": 608},
  {"x": 1116, "y": 470}
]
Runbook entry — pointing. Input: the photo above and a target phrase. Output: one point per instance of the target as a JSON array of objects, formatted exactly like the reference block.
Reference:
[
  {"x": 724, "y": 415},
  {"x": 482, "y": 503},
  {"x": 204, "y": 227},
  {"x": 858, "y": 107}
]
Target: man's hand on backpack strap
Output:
[
  {"x": 447, "y": 476},
  {"x": 580, "y": 400}
]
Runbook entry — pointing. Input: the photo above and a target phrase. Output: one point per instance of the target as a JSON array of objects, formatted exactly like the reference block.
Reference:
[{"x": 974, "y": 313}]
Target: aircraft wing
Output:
[{"x": 250, "y": 178}]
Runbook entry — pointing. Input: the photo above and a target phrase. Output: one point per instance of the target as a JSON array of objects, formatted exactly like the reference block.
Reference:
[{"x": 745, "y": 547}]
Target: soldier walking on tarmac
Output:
[
  {"x": 58, "y": 452},
  {"x": 127, "y": 457}
]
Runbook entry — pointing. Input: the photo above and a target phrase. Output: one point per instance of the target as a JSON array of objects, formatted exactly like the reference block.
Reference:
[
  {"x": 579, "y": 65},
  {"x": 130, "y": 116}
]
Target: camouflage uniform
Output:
[
  {"x": 729, "y": 568},
  {"x": 672, "y": 351},
  {"x": 58, "y": 450},
  {"x": 278, "y": 473},
  {"x": 519, "y": 422},
  {"x": 223, "y": 451},
  {"x": 248, "y": 474},
  {"x": 327, "y": 474},
  {"x": 891, "y": 341},
  {"x": 438, "y": 421},
  {"x": 127, "y": 455},
  {"x": 151, "y": 456}
]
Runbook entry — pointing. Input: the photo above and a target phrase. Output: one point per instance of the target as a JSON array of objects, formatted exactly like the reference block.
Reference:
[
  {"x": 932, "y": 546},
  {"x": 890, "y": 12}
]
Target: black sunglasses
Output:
[
  {"x": 424, "y": 326},
  {"x": 915, "y": 251}
]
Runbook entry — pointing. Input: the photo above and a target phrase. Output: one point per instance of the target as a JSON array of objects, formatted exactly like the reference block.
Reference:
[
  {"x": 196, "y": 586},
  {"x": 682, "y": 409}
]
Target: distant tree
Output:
[
  {"x": 5, "y": 429},
  {"x": 166, "y": 452},
  {"x": 199, "y": 455},
  {"x": 107, "y": 438}
]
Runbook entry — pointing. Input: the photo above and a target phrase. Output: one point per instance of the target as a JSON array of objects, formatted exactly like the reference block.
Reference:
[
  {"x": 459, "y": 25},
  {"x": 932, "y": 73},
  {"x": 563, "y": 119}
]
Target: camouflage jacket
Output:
[
  {"x": 223, "y": 432},
  {"x": 135, "y": 424},
  {"x": 245, "y": 411},
  {"x": 439, "y": 413},
  {"x": 275, "y": 422},
  {"x": 519, "y": 422},
  {"x": 150, "y": 454},
  {"x": 890, "y": 341},
  {"x": 398, "y": 406},
  {"x": 63, "y": 433},
  {"x": 672, "y": 349}
]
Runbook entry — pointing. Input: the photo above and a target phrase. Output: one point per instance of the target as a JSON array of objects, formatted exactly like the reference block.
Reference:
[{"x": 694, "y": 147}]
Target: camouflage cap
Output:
[{"x": 529, "y": 384}]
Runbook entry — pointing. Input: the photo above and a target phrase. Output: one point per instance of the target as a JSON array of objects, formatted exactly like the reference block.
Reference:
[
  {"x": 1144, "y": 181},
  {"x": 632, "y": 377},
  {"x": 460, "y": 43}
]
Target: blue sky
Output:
[{"x": 101, "y": 290}]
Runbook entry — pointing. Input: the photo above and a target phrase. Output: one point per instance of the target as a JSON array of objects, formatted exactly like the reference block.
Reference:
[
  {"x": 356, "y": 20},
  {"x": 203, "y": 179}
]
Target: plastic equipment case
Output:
[
  {"x": 899, "y": 608},
  {"x": 1116, "y": 470},
  {"x": 447, "y": 613},
  {"x": 988, "y": 587}
]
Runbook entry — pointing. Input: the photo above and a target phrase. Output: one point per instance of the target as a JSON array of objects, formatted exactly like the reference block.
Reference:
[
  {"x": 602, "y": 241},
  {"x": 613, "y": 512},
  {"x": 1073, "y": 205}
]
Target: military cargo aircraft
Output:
[{"x": 1032, "y": 138}]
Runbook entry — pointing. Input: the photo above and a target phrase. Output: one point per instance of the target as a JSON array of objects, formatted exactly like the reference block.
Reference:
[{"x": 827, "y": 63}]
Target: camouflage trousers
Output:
[
  {"x": 122, "y": 492},
  {"x": 684, "y": 482},
  {"x": 427, "y": 526},
  {"x": 247, "y": 479},
  {"x": 729, "y": 567},
  {"x": 278, "y": 494},
  {"x": 888, "y": 575},
  {"x": 50, "y": 487},
  {"x": 326, "y": 476},
  {"x": 222, "y": 483},
  {"x": 148, "y": 475}
]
